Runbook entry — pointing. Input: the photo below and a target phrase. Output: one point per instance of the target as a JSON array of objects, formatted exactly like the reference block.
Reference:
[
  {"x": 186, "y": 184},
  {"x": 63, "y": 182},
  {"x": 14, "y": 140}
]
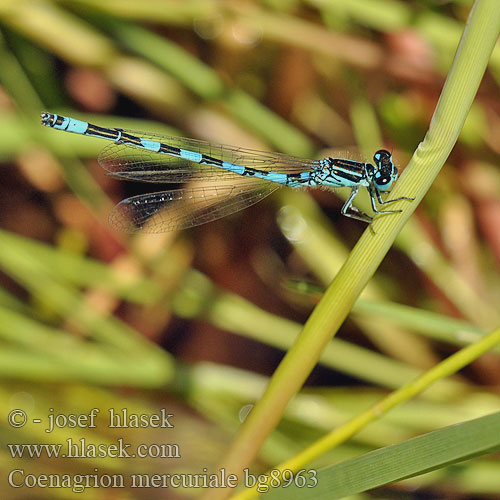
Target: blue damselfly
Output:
[{"x": 230, "y": 178}]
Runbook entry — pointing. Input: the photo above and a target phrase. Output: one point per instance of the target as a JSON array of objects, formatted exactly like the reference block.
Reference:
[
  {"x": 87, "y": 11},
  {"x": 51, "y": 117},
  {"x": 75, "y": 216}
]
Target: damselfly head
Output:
[{"x": 385, "y": 170}]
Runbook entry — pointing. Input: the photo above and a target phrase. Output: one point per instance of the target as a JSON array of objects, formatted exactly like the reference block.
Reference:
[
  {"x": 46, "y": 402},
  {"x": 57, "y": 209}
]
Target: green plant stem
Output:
[{"x": 460, "y": 88}]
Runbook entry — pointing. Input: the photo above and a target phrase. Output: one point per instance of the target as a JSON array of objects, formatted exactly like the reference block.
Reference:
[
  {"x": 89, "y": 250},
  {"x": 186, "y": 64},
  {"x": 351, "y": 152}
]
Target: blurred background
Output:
[{"x": 196, "y": 321}]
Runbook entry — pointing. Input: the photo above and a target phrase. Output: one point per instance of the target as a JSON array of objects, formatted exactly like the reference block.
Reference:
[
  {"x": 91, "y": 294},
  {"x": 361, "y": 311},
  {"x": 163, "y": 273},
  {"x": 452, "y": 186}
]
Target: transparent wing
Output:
[
  {"x": 131, "y": 162},
  {"x": 183, "y": 208}
]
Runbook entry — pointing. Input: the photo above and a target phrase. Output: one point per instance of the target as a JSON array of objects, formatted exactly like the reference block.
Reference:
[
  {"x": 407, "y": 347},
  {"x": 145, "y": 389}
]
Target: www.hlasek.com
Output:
[
  {"x": 78, "y": 483},
  {"x": 80, "y": 448}
]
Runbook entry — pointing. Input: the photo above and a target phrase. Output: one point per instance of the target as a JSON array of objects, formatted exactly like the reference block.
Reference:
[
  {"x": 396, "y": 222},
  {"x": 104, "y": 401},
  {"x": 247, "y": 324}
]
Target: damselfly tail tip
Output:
[{"x": 47, "y": 119}]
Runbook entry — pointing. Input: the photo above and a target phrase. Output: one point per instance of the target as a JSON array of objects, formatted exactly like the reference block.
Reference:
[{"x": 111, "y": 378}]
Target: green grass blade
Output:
[
  {"x": 341, "y": 434},
  {"x": 403, "y": 460}
]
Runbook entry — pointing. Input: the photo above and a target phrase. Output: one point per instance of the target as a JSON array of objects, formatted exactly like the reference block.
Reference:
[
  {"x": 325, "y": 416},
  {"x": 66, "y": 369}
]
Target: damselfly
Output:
[{"x": 229, "y": 178}]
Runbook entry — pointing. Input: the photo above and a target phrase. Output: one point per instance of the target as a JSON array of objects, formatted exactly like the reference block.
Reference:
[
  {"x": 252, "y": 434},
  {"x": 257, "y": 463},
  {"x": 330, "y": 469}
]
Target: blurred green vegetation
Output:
[{"x": 196, "y": 322}]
